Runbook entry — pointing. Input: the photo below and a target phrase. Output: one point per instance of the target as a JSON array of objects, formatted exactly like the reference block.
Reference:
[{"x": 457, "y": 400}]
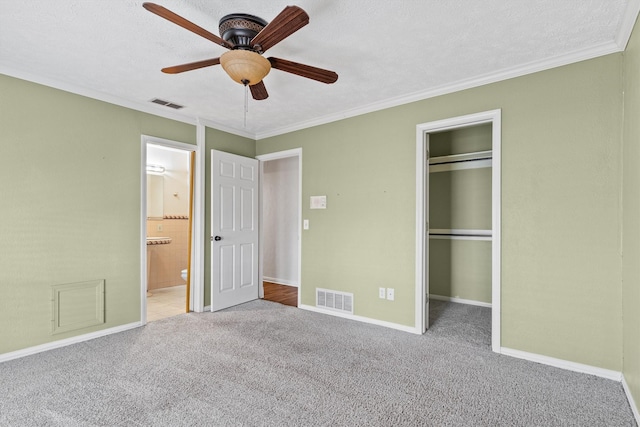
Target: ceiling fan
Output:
[{"x": 247, "y": 37}]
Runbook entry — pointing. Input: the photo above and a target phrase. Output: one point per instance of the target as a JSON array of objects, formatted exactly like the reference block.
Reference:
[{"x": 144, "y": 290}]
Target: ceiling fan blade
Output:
[
  {"x": 259, "y": 91},
  {"x": 290, "y": 20},
  {"x": 191, "y": 66},
  {"x": 318, "y": 74},
  {"x": 179, "y": 20}
]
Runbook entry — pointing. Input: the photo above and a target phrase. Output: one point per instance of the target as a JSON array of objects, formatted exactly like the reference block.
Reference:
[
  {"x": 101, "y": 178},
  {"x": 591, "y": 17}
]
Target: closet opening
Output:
[{"x": 458, "y": 274}]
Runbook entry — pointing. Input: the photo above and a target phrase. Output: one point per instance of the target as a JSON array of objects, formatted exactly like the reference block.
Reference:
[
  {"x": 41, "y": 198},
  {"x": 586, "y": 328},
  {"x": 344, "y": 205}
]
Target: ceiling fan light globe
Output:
[{"x": 245, "y": 66}]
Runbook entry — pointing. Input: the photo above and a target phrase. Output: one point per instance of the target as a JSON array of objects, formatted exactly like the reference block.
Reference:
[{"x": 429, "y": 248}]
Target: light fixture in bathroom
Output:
[{"x": 155, "y": 169}]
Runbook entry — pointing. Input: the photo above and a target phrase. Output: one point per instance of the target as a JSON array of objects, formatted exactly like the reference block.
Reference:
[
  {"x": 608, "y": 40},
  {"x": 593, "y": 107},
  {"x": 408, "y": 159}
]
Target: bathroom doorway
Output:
[{"x": 168, "y": 226}]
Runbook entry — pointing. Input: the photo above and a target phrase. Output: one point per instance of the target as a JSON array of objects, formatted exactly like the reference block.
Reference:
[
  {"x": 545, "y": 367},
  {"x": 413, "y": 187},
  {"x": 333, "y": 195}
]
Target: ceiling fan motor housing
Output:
[{"x": 240, "y": 29}]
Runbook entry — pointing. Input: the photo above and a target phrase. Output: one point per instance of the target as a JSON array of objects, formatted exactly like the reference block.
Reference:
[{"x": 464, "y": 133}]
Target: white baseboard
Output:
[
  {"x": 362, "y": 319},
  {"x": 206, "y": 308},
  {"x": 460, "y": 300},
  {"x": 563, "y": 364},
  {"x": 280, "y": 281},
  {"x": 632, "y": 401},
  {"x": 65, "y": 342}
]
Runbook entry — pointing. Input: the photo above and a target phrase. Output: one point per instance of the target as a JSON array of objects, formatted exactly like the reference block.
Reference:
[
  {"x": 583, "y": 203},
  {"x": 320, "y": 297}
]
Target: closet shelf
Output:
[
  {"x": 460, "y": 234},
  {"x": 473, "y": 160}
]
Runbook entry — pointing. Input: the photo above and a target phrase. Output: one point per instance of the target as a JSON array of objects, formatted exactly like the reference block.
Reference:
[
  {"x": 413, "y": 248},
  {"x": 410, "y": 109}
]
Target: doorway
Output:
[
  {"x": 280, "y": 226},
  {"x": 167, "y": 228},
  {"x": 473, "y": 234}
]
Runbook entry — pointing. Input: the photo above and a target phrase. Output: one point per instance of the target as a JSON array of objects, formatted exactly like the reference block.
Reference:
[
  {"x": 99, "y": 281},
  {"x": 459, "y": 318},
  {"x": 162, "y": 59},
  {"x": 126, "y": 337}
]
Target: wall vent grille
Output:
[
  {"x": 334, "y": 300},
  {"x": 167, "y": 103}
]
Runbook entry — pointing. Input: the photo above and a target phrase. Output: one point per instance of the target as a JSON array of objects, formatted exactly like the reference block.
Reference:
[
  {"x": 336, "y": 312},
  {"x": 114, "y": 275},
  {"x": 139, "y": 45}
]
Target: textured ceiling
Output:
[{"x": 385, "y": 52}]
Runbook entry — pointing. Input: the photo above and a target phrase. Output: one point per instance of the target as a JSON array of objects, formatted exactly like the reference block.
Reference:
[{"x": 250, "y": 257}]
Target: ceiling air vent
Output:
[
  {"x": 167, "y": 103},
  {"x": 334, "y": 300}
]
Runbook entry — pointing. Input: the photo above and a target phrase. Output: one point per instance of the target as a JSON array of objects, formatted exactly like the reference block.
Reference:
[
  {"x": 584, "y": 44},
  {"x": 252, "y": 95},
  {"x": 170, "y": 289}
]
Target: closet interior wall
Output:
[{"x": 460, "y": 214}]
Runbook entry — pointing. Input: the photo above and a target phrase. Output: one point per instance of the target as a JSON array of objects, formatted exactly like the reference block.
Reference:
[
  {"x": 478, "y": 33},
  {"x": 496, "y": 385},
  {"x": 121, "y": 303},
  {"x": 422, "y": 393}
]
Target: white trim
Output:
[
  {"x": 294, "y": 152},
  {"x": 563, "y": 364},
  {"x": 362, "y": 319},
  {"x": 628, "y": 22},
  {"x": 529, "y": 68},
  {"x": 508, "y": 73},
  {"x": 460, "y": 300},
  {"x": 67, "y": 341},
  {"x": 494, "y": 117},
  {"x": 283, "y": 282},
  {"x": 196, "y": 300},
  {"x": 198, "y": 238},
  {"x": 632, "y": 401},
  {"x": 421, "y": 317},
  {"x": 143, "y": 231},
  {"x": 496, "y": 229},
  {"x": 280, "y": 155}
]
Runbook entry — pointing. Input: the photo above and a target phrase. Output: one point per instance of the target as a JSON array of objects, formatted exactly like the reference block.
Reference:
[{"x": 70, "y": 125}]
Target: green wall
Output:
[
  {"x": 222, "y": 141},
  {"x": 460, "y": 269},
  {"x": 631, "y": 216},
  {"x": 561, "y": 217},
  {"x": 70, "y": 182}
]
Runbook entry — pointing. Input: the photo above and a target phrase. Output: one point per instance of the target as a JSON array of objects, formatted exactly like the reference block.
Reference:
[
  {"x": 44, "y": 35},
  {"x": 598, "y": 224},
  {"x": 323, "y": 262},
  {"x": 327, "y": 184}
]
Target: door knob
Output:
[{"x": 217, "y": 238}]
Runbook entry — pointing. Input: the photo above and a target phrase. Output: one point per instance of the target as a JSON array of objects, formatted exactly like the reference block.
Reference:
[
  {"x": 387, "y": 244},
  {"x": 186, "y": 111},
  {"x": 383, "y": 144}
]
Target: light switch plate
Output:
[
  {"x": 318, "y": 202},
  {"x": 305, "y": 224}
]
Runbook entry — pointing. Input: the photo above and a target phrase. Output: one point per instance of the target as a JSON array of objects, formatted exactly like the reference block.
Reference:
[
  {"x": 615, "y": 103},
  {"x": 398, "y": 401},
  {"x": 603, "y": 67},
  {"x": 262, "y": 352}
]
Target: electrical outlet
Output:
[
  {"x": 382, "y": 293},
  {"x": 159, "y": 228},
  {"x": 390, "y": 294}
]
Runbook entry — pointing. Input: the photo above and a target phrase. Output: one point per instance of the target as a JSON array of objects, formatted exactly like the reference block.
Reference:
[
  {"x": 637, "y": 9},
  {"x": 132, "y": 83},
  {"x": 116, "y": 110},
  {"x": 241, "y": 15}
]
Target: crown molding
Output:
[
  {"x": 508, "y": 73},
  {"x": 621, "y": 40},
  {"x": 111, "y": 99},
  {"x": 628, "y": 22},
  {"x": 97, "y": 95}
]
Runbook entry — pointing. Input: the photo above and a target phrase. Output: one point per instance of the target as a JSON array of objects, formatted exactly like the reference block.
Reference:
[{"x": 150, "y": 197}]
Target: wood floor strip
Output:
[{"x": 287, "y": 295}]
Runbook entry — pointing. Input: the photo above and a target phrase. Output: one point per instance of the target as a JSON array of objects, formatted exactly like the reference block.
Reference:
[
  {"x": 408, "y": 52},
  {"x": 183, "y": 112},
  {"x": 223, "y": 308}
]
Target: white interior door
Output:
[{"x": 234, "y": 230}]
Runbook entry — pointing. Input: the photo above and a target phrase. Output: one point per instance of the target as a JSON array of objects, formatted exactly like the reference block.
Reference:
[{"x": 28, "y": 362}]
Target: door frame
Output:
[
  {"x": 422, "y": 169},
  {"x": 295, "y": 152},
  {"x": 196, "y": 300}
]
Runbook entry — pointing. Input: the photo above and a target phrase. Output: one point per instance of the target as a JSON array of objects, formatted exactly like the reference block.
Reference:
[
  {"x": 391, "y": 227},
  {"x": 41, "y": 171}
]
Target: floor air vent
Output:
[{"x": 334, "y": 300}]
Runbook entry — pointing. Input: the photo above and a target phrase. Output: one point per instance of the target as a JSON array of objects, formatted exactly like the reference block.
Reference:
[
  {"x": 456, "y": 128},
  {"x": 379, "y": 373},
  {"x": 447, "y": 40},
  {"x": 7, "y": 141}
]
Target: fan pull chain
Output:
[{"x": 246, "y": 103}]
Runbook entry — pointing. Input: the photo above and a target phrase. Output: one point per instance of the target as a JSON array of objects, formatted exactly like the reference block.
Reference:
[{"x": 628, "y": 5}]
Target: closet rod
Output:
[{"x": 461, "y": 161}]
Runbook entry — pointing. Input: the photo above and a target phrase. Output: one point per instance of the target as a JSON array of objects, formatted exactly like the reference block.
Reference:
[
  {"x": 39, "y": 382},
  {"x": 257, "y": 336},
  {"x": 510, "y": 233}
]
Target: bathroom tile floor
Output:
[{"x": 166, "y": 302}]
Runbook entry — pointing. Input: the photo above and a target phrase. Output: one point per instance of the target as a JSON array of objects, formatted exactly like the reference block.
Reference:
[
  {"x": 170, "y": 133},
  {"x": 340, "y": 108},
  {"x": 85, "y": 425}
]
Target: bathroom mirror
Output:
[{"x": 155, "y": 191}]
